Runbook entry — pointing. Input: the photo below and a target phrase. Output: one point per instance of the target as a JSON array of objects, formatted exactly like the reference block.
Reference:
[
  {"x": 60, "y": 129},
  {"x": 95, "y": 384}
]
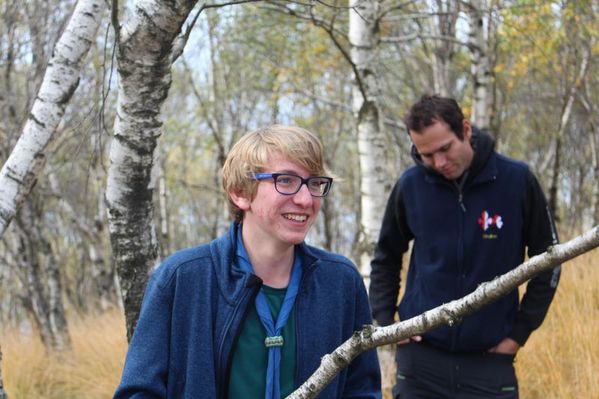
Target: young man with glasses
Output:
[
  {"x": 251, "y": 314},
  {"x": 471, "y": 214}
]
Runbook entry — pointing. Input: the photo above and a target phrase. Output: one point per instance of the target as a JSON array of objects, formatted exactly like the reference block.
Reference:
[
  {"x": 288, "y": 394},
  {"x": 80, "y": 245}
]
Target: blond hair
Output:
[{"x": 252, "y": 152}]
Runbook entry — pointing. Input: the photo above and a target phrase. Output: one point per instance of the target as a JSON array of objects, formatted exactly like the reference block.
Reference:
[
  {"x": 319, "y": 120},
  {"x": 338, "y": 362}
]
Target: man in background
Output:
[{"x": 472, "y": 215}]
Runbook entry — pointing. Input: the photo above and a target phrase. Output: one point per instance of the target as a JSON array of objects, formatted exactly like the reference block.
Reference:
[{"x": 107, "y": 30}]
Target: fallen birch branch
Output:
[{"x": 370, "y": 336}]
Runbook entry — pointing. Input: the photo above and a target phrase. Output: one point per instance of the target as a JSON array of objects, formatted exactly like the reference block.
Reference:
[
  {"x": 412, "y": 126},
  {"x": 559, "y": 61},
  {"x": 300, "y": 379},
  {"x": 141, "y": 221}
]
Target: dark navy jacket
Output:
[
  {"x": 194, "y": 307},
  {"x": 464, "y": 236}
]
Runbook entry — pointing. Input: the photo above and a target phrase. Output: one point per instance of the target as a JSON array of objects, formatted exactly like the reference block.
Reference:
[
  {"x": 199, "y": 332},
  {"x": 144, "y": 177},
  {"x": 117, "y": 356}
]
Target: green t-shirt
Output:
[{"x": 250, "y": 359}]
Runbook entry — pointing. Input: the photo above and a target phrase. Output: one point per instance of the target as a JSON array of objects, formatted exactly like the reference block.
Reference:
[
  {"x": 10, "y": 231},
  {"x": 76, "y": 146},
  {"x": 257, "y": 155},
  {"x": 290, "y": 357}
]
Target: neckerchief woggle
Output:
[{"x": 274, "y": 329}]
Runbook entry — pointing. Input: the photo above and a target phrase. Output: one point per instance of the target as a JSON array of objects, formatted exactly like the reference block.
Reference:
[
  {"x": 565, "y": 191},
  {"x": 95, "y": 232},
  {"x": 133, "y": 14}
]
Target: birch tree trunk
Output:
[
  {"x": 443, "y": 50},
  {"x": 19, "y": 173},
  {"x": 145, "y": 56},
  {"x": 480, "y": 65},
  {"x": 163, "y": 217},
  {"x": 371, "y": 337},
  {"x": 104, "y": 288},
  {"x": 553, "y": 187},
  {"x": 563, "y": 123},
  {"x": 592, "y": 110},
  {"x": 36, "y": 260},
  {"x": 364, "y": 40},
  {"x": 8, "y": 109}
]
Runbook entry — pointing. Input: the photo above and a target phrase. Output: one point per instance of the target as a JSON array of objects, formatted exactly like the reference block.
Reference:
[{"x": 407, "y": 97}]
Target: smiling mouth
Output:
[{"x": 295, "y": 218}]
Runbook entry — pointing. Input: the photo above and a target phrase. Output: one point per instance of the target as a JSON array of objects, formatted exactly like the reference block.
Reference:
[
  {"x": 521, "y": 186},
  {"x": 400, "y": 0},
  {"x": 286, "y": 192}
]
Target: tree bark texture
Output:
[
  {"x": 364, "y": 40},
  {"x": 593, "y": 122},
  {"x": 447, "y": 314},
  {"x": 165, "y": 247},
  {"x": 563, "y": 123},
  {"x": 553, "y": 188},
  {"x": 480, "y": 65},
  {"x": 19, "y": 173},
  {"x": 36, "y": 261},
  {"x": 145, "y": 55},
  {"x": 444, "y": 49}
]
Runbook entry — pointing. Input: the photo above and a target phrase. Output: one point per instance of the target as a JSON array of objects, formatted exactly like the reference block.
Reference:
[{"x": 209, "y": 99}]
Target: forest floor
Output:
[{"x": 560, "y": 360}]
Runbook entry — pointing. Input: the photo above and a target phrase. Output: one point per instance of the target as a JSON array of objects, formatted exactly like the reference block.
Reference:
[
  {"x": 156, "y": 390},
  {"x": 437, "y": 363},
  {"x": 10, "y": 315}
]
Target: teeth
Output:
[{"x": 297, "y": 218}]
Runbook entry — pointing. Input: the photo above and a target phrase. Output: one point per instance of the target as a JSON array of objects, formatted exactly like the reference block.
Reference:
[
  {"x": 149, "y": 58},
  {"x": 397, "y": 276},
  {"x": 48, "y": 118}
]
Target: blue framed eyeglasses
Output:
[{"x": 289, "y": 184}]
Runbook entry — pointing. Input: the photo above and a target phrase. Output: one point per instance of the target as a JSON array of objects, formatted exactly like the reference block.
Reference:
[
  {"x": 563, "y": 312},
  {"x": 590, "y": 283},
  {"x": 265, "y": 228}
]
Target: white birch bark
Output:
[
  {"x": 58, "y": 319},
  {"x": 480, "y": 65},
  {"x": 443, "y": 51},
  {"x": 19, "y": 173},
  {"x": 163, "y": 207},
  {"x": 364, "y": 40},
  {"x": 563, "y": 123},
  {"x": 371, "y": 337},
  {"x": 145, "y": 55},
  {"x": 592, "y": 110}
]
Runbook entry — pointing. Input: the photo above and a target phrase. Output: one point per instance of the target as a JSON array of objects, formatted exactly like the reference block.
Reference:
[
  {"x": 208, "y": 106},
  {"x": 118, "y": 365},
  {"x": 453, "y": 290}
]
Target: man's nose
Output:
[{"x": 439, "y": 159}]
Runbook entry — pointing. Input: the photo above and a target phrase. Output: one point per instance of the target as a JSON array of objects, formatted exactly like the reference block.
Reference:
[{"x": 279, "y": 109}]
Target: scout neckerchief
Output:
[{"x": 274, "y": 328}]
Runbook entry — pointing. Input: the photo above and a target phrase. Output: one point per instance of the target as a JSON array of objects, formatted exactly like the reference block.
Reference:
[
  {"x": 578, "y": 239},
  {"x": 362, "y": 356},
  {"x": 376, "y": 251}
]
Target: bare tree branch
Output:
[
  {"x": 448, "y": 314},
  {"x": 400, "y": 39},
  {"x": 329, "y": 28},
  {"x": 114, "y": 18},
  {"x": 283, "y": 9},
  {"x": 390, "y": 39},
  {"x": 345, "y": 54},
  {"x": 181, "y": 40}
]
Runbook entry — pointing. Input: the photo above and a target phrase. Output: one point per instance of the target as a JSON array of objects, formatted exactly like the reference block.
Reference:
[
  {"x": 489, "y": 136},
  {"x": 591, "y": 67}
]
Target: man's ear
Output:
[
  {"x": 241, "y": 199},
  {"x": 467, "y": 129}
]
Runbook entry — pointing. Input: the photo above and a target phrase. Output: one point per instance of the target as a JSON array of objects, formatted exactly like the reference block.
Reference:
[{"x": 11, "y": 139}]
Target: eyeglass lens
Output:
[{"x": 291, "y": 184}]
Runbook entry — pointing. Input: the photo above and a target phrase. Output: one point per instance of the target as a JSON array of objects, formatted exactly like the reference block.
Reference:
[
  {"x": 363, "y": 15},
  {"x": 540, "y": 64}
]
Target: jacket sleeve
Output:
[
  {"x": 539, "y": 234},
  {"x": 363, "y": 373},
  {"x": 386, "y": 264},
  {"x": 146, "y": 365}
]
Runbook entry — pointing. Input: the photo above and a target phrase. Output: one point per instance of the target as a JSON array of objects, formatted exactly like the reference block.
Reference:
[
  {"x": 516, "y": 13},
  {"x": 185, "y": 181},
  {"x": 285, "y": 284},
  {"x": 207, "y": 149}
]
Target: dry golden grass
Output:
[
  {"x": 561, "y": 359},
  {"x": 91, "y": 371}
]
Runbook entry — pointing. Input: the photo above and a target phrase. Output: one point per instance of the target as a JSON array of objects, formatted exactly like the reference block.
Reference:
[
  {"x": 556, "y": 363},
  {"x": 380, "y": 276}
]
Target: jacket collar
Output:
[{"x": 231, "y": 279}]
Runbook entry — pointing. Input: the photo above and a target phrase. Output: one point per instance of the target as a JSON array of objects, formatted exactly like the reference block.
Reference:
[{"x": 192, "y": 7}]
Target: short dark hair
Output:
[{"x": 433, "y": 108}]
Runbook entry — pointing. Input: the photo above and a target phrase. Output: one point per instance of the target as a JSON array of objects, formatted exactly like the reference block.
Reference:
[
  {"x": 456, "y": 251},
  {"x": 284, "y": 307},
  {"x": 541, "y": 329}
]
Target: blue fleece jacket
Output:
[{"x": 194, "y": 307}]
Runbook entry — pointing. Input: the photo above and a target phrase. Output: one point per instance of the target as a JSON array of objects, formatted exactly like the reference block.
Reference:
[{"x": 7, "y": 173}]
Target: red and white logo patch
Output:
[{"x": 486, "y": 221}]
